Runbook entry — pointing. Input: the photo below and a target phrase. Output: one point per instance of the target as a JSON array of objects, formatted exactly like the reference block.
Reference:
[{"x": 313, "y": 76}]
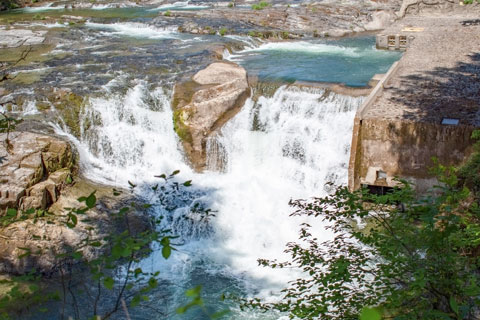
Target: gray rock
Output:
[
  {"x": 380, "y": 20},
  {"x": 12, "y": 38}
]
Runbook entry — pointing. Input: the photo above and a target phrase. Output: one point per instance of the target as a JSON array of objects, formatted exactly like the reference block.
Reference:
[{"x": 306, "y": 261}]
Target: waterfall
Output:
[
  {"x": 127, "y": 135},
  {"x": 280, "y": 148},
  {"x": 284, "y": 147}
]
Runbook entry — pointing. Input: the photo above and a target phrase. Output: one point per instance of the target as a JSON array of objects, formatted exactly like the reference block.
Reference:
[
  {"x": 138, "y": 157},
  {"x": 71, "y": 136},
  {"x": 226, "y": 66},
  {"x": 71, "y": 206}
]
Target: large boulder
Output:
[
  {"x": 33, "y": 169},
  {"x": 201, "y": 106}
]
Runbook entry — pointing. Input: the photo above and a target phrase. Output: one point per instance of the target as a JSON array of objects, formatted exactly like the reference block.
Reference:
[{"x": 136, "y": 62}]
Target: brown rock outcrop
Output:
[
  {"x": 33, "y": 170},
  {"x": 201, "y": 106},
  {"x": 38, "y": 243}
]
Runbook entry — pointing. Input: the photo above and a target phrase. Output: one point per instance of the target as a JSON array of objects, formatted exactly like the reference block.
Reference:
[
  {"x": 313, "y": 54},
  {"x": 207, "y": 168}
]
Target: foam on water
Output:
[
  {"x": 137, "y": 30},
  {"x": 305, "y": 47},
  {"x": 180, "y": 5},
  {"x": 46, "y": 7},
  {"x": 301, "y": 141},
  {"x": 250, "y": 43},
  {"x": 113, "y": 6}
]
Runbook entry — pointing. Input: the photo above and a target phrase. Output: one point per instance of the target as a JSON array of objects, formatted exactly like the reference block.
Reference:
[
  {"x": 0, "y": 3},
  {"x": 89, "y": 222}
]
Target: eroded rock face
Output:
[
  {"x": 32, "y": 170},
  {"x": 48, "y": 237},
  {"x": 203, "y": 105}
]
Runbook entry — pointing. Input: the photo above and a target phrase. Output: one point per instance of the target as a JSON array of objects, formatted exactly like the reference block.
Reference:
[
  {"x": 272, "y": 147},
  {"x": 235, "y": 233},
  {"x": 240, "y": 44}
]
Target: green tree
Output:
[{"x": 393, "y": 255}]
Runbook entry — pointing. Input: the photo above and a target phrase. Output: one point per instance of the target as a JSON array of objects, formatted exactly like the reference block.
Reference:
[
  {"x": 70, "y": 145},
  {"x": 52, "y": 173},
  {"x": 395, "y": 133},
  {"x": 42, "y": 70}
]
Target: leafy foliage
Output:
[
  {"x": 406, "y": 258},
  {"x": 223, "y": 31},
  {"x": 261, "y": 5}
]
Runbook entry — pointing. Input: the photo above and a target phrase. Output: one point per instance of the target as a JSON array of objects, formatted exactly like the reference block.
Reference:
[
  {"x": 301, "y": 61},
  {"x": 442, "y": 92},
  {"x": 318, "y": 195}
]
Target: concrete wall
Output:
[
  {"x": 402, "y": 148},
  {"x": 386, "y": 149},
  {"x": 394, "y": 41}
]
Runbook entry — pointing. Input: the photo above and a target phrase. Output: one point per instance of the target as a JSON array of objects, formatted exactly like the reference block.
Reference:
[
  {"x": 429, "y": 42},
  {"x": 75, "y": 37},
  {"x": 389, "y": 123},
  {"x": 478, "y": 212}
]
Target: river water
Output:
[{"x": 286, "y": 146}]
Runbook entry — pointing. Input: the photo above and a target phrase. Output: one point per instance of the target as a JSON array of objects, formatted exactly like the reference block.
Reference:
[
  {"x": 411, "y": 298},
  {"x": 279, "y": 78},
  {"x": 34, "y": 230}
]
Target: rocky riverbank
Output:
[
  {"x": 284, "y": 21},
  {"x": 39, "y": 182}
]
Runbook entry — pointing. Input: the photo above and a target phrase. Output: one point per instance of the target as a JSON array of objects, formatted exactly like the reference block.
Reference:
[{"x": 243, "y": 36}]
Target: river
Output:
[{"x": 280, "y": 147}]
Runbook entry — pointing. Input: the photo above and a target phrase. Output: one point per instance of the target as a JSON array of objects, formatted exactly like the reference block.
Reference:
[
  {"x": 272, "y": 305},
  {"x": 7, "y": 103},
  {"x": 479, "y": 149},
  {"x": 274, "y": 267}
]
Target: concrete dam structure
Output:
[{"x": 425, "y": 107}]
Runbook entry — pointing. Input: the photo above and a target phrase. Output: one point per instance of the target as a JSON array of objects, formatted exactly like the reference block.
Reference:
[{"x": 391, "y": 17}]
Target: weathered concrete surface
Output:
[
  {"x": 401, "y": 129},
  {"x": 206, "y": 103},
  {"x": 33, "y": 169}
]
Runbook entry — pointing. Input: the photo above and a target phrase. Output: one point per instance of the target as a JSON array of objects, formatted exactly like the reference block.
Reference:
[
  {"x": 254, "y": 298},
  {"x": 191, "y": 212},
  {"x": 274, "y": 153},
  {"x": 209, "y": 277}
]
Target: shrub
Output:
[{"x": 261, "y": 5}]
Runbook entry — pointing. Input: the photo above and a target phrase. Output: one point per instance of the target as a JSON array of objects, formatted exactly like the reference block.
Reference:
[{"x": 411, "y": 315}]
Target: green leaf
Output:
[
  {"x": 124, "y": 210},
  {"x": 91, "y": 200},
  {"x": 193, "y": 292},
  {"x": 454, "y": 305},
  {"x": 370, "y": 314},
  {"x": 166, "y": 251},
  {"x": 27, "y": 253},
  {"x": 187, "y": 183},
  {"x": 175, "y": 172},
  {"x": 181, "y": 310},
  {"x": 108, "y": 282},
  {"x": 135, "y": 301},
  {"x": 77, "y": 255},
  {"x": 96, "y": 244}
]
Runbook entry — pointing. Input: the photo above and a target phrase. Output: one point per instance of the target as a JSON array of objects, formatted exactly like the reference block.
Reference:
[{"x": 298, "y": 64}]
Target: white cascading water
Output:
[
  {"x": 280, "y": 148},
  {"x": 301, "y": 141}
]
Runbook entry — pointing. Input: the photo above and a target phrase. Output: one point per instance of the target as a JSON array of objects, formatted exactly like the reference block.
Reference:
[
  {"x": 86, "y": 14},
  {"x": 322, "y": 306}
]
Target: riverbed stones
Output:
[
  {"x": 31, "y": 170},
  {"x": 12, "y": 38},
  {"x": 202, "y": 105}
]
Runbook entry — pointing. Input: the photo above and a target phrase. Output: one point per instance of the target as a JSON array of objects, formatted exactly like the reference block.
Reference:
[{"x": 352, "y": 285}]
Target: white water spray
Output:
[{"x": 281, "y": 148}]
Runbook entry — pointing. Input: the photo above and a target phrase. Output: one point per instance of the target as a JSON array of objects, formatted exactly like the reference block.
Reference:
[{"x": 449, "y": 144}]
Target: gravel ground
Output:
[{"x": 439, "y": 75}]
